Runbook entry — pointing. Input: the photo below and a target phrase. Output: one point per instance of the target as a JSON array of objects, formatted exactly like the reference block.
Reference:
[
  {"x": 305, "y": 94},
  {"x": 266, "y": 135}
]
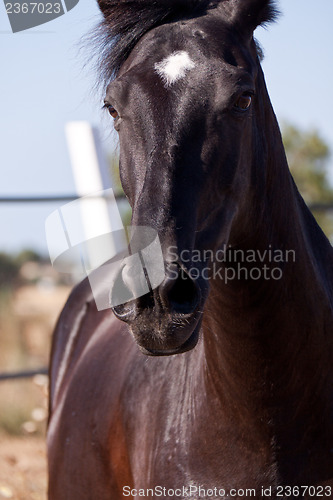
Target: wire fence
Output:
[
  {"x": 24, "y": 374},
  {"x": 55, "y": 198}
]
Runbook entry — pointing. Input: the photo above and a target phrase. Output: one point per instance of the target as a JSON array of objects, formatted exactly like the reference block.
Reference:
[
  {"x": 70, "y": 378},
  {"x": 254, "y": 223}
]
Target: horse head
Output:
[{"x": 189, "y": 103}]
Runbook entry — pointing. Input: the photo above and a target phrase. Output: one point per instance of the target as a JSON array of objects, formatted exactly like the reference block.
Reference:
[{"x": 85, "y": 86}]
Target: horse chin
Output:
[{"x": 167, "y": 345}]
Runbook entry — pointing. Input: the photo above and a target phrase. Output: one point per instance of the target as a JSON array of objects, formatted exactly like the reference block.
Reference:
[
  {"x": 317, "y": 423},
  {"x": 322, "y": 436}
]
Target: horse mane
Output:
[{"x": 126, "y": 21}]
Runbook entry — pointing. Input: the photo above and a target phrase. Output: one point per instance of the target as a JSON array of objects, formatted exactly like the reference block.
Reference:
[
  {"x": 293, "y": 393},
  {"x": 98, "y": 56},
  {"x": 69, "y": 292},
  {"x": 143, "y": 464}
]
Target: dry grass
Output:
[
  {"x": 23, "y": 468},
  {"x": 27, "y": 318}
]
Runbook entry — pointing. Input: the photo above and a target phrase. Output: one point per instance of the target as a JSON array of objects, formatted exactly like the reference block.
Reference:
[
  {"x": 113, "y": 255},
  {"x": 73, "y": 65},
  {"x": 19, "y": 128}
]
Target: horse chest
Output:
[{"x": 181, "y": 446}]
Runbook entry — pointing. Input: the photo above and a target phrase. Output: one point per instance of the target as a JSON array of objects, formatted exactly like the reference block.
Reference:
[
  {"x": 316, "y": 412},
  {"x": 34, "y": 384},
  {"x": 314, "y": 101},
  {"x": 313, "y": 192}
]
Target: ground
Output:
[{"x": 22, "y": 468}]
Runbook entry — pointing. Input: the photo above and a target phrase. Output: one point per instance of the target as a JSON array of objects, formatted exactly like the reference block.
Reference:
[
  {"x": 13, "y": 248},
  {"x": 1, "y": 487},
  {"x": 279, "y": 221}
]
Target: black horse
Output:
[{"x": 236, "y": 395}]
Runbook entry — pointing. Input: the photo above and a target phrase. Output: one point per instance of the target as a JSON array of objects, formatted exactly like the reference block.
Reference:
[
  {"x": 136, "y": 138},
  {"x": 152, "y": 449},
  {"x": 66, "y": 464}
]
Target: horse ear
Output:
[{"x": 246, "y": 15}]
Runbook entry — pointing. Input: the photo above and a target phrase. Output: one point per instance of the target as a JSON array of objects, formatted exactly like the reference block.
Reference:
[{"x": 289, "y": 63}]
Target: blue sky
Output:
[{"x": 43, "y": 85}]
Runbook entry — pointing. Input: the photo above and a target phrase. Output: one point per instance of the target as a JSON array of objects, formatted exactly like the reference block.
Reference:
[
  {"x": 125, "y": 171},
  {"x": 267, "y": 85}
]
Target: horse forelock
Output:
[{"x": 126, "y": 21}]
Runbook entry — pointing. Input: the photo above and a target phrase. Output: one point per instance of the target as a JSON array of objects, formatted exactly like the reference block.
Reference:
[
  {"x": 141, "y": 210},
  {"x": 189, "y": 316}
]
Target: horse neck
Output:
[{"x": 264, "y": 339}]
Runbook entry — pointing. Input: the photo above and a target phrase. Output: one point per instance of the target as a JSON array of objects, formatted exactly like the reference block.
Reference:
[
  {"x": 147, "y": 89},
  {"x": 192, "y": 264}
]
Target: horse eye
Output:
[
  {"x": 113, "y": 112},
  {"x": 243, "y": 102}
]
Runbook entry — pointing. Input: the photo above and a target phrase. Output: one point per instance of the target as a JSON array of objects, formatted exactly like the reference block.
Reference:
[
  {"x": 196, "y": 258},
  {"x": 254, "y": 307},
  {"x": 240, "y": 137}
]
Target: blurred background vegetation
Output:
[{"x": 308, "y": 155}]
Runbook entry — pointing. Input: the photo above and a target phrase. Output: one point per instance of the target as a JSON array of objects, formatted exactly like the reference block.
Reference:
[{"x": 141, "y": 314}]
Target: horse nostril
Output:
[
  {"x": 178, "y": 293},
  {"x": 182, "y": 293},
  {"x": 128, "y": 295},
  {"x": 122, "y": 311}
]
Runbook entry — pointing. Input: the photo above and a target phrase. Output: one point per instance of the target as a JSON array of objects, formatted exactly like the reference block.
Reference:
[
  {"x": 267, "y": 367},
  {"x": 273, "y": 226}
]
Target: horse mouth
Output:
[
  {"x": 188, "y": 345},
  {"x": 171, "y": 337}
]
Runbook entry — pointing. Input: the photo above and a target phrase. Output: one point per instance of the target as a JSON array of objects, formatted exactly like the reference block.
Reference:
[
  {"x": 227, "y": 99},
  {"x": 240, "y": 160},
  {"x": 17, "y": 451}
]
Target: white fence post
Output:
[{"x": 91, "y": 175}]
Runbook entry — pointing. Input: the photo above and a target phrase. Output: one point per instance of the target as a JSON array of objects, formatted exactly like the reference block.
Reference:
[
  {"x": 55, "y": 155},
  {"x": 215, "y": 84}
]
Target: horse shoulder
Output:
[{"x": 91, "y": 355}]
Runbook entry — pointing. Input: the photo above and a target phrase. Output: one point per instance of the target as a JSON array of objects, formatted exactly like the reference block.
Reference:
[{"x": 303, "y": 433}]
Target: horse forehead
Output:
[{"x": 174, "y": 67}]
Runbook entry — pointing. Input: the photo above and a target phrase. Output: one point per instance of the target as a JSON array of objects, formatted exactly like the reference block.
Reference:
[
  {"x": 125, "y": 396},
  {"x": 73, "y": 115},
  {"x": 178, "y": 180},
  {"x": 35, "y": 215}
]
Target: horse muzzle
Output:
[{"x": 166, "y": 320}]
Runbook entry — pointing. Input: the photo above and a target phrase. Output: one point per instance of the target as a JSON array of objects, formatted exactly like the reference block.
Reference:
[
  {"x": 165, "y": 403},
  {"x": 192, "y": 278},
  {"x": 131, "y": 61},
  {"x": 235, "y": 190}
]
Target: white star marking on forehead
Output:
[{"x": 174, "y": 67}]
